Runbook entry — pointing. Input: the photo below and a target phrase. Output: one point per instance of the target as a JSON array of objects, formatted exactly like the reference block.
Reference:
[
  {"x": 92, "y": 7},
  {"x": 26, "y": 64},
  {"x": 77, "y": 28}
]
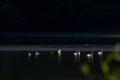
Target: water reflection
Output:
[
  {"x": 47, "y": 64},
  {"x": 79, "y": 56},
  {"x": 90, "y": 57},
  {"x": 100, "y": 54},
  {"x": 29, "y": 56},
  {"x": 75, "y": 56},
  {"x": 59, "y": 55},
  {"x": 36, "y": 55}
]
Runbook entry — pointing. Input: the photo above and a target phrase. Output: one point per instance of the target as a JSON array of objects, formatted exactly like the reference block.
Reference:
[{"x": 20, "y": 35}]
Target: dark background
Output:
[
  {"x": 59, "y": 15},
  {"x": 21, "y": 16}
]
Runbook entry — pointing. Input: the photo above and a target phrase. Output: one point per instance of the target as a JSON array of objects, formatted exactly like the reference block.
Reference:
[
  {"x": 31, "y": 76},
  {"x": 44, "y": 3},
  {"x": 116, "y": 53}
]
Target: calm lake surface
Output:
[{"x": 46, "y": 66}]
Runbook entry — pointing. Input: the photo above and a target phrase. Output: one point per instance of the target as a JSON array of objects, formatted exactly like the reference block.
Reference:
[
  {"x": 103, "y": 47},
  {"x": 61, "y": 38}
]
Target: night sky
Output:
[{"x": 59, "y": 15}]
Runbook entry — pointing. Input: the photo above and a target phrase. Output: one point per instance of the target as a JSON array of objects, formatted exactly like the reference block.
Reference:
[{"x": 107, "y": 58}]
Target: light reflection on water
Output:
[{"x": 44, "y": 63}]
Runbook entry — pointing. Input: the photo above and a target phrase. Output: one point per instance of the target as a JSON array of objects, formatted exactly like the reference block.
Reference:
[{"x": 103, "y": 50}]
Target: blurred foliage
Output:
[
  {"x": 116, "y": 53},
  {"x": 85, "y": 69},
  {"x": 109, "y": 70},
  {"x": 105, "y": 68}
]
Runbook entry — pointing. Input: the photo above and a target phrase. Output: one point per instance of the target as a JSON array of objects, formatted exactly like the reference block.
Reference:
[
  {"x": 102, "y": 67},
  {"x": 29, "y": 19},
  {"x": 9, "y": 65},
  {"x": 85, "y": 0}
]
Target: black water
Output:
[{"x": 17, "y": 66}]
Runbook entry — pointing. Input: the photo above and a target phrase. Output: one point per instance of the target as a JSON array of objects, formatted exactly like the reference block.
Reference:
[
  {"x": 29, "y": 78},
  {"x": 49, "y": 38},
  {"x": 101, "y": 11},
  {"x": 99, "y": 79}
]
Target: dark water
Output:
[{"x": 17, "y": 66}]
